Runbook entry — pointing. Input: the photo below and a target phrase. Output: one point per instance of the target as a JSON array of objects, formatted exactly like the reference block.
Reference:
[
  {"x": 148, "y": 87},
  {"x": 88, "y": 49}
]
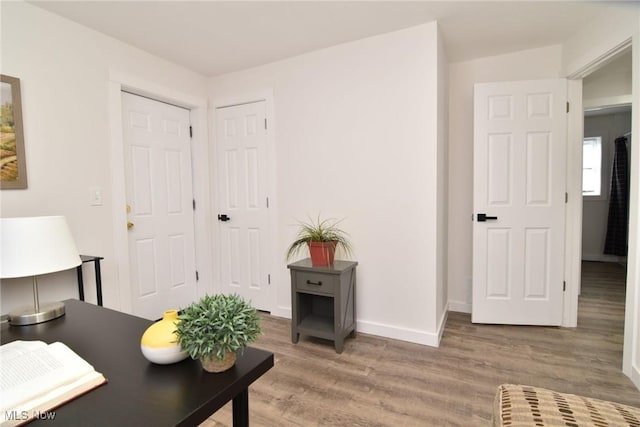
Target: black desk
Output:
[{"x": 139, "y": 392}]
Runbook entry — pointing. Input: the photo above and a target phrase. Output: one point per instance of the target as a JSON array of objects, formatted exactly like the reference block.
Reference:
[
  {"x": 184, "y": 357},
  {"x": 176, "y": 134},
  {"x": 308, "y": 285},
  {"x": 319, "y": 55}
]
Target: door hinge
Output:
[
  {"x": 190, "y": 132},
  {"x": 267, "y": 202},
  {"x": 268, "y": 278},
  {"x": 566, "y": 197},
  {"x": 564, "y": 286},
  {"x": 265, "y": 123},
  {"x": 194, "y": 204},
  {"x": 197, "y": 276},
  {"x": 567, "y": 106}
]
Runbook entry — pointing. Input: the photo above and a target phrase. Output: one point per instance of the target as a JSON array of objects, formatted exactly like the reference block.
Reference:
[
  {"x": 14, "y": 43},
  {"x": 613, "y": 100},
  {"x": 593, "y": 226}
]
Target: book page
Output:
[
  {"x": 41, "y": 405},
  {"x": 29, "y": 369}
]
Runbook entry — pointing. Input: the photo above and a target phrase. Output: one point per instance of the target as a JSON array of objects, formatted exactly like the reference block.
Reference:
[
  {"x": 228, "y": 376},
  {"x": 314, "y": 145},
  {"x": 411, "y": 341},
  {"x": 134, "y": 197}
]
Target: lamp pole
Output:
[{"x": 36, "y": 303}]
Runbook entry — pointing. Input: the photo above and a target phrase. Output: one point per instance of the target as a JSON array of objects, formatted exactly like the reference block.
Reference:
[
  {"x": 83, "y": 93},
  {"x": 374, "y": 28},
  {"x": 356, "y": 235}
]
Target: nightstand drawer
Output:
[{"x": 314, "y": 282}]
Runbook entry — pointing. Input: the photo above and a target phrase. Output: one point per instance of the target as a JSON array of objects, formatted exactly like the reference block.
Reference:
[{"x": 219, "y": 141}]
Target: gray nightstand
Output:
[{"x": 323, "y": 301}]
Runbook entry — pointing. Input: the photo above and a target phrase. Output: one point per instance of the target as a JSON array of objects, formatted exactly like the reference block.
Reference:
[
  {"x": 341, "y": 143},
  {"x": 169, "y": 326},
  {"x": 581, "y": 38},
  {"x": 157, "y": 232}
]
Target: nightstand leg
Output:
[
  {"x": 339, "y": 345},
  {"x": 295, "y": 337}
]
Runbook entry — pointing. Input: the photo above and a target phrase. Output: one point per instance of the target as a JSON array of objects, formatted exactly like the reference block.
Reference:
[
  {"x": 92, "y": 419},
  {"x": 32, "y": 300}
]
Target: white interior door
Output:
[
  {"x": 519, "y": 184},
  {"x": 160, "y": 211},
  {"x": 243, "y": 217}
]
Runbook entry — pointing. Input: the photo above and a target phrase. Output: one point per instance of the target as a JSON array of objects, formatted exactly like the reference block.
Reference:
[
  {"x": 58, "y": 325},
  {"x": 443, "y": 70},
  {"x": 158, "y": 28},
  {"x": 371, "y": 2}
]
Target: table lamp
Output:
[{"x": 32, "y": 246}]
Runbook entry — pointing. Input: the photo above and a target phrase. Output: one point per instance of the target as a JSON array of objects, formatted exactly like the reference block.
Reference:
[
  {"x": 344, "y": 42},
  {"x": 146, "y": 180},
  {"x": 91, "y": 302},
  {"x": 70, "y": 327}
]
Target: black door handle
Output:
[
  {"x": 483, "y": 217},
  {"x": 223, "y": 217}
]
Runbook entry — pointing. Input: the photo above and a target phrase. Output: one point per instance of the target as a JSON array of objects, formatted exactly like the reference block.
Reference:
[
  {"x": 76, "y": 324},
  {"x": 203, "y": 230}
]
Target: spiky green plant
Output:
[
  {"x": 325, "y": 230},
  {"x": 217, "y": 324}
]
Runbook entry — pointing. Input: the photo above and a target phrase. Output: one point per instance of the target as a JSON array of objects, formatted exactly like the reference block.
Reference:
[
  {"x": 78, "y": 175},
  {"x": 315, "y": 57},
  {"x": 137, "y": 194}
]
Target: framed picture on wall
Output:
[{"x": 13, "y": 165}]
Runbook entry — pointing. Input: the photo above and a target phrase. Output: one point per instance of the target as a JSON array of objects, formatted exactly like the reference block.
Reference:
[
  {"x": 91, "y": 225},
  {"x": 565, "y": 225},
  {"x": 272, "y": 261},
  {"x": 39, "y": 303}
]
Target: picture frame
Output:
[{"x": 13, "y": 164}]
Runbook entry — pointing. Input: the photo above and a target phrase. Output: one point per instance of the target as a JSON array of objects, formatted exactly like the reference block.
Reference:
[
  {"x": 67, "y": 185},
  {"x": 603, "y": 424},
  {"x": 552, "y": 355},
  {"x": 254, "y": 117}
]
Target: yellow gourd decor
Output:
[{"x": 159, "y": 343}]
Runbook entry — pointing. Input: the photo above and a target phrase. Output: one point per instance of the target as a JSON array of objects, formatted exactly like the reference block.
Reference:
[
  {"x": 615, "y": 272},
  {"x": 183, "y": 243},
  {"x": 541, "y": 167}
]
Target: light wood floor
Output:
[{"x": 383, "y": 382}]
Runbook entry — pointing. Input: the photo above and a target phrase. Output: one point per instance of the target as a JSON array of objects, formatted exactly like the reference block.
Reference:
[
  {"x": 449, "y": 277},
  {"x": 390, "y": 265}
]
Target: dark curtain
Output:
[{"x": 618, "y": 222}]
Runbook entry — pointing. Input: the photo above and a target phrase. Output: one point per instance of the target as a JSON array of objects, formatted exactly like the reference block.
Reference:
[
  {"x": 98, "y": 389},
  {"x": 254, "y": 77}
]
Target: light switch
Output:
[{"x": 95, "y": 196}]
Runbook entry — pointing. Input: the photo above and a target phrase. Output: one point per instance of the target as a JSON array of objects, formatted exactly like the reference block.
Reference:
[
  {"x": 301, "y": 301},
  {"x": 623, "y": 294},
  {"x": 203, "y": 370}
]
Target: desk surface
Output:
[{"x": 138, "y": 392}]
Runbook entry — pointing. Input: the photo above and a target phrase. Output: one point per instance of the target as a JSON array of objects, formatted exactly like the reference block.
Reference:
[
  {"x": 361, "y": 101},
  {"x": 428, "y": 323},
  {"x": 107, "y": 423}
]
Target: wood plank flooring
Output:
[{"x": 383, "y": 382}]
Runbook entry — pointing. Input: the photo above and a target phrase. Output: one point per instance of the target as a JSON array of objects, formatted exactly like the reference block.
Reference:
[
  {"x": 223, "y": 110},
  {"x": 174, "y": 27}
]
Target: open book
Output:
[{"x": 36, "y": 377}]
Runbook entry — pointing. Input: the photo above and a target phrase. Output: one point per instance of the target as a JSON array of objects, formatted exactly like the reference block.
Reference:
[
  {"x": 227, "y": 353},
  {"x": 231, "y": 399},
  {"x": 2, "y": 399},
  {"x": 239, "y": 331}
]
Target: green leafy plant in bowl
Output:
[{"x": 215, "y": 328}]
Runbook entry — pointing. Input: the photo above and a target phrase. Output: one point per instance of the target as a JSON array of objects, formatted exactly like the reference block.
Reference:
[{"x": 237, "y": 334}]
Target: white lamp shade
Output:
[{"x": 36, "y": 245}]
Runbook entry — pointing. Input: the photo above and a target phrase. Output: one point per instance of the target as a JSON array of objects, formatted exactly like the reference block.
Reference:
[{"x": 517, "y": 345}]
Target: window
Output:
[{"x": 592, "y": 166}]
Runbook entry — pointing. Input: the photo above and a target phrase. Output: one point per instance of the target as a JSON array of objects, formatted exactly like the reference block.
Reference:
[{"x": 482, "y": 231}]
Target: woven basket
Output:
[{"x": 216, "y": 365}]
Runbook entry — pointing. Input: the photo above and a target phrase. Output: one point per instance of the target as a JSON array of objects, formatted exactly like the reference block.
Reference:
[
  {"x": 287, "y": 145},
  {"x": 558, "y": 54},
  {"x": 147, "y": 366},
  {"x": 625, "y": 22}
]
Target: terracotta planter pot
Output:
[
  {"x": 322, "y": 253},
  {"x": 216, "y": 365}
]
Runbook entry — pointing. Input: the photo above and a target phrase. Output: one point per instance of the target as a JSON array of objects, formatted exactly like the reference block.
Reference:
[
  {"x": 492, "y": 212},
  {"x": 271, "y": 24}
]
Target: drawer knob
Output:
[{"x": 318, "y": 283}]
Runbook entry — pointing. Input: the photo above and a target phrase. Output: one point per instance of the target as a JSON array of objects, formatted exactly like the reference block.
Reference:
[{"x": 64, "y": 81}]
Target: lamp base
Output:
[{"x": 28, "y": 316}]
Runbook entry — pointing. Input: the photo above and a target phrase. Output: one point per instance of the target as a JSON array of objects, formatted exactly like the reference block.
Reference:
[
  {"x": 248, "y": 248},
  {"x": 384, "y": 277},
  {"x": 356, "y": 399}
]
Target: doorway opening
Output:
[{"x": 607, "y": 95}]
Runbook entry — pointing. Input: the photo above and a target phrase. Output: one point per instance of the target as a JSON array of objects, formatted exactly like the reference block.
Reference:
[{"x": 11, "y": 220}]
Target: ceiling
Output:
[{"x": 216, "y": 37}]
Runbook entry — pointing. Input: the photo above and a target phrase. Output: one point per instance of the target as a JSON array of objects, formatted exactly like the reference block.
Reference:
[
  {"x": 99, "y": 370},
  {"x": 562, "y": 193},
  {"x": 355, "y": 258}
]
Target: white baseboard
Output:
[
  {"x": 388, "y": 331},
  {"x": 399, "y": 333},
  {"x": 284, "y": 312},
  {"x": 635, "y": 376},
  {"x": 442, "y": 323},
  {"x": 460, "y": 307}
]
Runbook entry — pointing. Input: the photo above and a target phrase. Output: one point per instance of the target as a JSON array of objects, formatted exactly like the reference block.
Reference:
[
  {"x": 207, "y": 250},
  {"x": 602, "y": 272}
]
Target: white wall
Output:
[
  {"x": 613, "y": 80},
  {"x": 532, "y": 64},
  {"x": 64, "y": 72},
  {"x": 357, "y": 138},
  {"x": 595, "y": 211},
  {"x": 607, "y": 32}
]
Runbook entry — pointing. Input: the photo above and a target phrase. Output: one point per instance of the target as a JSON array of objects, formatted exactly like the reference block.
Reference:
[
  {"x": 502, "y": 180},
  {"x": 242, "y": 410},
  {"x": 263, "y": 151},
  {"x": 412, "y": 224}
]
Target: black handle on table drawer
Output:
[{"x": 318, "y": 283}]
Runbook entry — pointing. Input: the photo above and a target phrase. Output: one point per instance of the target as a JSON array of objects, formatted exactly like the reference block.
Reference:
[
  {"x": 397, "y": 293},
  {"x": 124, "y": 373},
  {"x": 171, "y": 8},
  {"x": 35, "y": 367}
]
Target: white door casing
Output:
[
  {"x": 242, "y": 177},
  {"x": 520, "y": 134},
  {"x": 158, "y": 180}
]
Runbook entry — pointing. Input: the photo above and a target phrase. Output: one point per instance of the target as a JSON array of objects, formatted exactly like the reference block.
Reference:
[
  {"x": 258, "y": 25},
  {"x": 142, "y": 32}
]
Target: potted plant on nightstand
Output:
[
  {"x": 215, "y": 328},
  {"x": 322, "y": 237}
]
